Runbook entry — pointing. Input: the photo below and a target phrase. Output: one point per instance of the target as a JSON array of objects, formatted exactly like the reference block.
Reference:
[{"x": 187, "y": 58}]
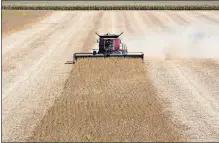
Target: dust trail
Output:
[{"x": 193, "y": 41}]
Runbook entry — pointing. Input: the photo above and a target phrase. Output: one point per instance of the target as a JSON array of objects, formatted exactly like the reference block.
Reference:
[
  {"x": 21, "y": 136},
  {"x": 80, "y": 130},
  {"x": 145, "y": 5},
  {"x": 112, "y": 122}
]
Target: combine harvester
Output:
[{"x": 110, "y": 45}]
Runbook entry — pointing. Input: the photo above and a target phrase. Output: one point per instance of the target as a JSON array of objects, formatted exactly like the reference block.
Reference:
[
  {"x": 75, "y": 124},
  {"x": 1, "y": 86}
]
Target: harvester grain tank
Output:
[{"x": 110, "y": 45}]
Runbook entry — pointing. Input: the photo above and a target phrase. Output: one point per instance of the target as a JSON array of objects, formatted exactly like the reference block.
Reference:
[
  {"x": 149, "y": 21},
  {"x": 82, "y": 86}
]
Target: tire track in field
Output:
[{"x": 114, "y": 101}]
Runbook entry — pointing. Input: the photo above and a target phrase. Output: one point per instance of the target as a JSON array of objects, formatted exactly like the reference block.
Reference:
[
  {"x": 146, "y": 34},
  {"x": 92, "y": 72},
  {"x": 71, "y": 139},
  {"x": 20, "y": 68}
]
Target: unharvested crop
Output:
[
  {"x": 107, "y": 100},
  {"x": 112, "y": 7}
]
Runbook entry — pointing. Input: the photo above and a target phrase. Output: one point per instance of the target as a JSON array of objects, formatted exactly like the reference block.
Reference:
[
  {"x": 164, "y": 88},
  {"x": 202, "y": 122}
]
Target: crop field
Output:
[
  {"x": 110, "y": 5},
  {"x": 104, "y": 3},
  {"x": 171, "y": 96}
]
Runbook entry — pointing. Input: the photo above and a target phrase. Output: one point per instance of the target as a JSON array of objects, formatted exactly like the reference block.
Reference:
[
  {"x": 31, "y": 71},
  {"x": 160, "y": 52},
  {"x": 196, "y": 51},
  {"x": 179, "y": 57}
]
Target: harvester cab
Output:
[{"x": 110, "y": 45}]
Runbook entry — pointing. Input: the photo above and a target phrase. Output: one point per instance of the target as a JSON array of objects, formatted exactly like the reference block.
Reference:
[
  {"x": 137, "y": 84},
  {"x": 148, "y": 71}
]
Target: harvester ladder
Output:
[{"x": 124, "y": 48}]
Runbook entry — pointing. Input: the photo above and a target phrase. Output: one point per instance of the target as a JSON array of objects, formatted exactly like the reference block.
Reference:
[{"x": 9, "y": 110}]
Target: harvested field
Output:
[
  {"x": 172, "y": 96},
  {"x": 14, "y": 20}
]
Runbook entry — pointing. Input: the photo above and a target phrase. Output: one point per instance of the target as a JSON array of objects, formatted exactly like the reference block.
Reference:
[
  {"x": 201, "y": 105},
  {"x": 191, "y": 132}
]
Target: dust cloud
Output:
[{"x": 176, "y": 42}]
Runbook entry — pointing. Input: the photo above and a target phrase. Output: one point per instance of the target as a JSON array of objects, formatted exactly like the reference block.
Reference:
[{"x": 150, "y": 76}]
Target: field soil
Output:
[
  {"x": 171, "y": 96},
  {"x": 14, "y": 20}
]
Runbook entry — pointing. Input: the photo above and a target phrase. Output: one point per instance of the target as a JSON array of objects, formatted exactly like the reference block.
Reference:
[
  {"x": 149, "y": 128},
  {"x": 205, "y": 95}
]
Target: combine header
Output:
[{"x": 110, "y": 45}]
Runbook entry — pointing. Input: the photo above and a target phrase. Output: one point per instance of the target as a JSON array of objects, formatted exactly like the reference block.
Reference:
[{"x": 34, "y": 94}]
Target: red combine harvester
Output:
[{"x": 109, "y": 46}]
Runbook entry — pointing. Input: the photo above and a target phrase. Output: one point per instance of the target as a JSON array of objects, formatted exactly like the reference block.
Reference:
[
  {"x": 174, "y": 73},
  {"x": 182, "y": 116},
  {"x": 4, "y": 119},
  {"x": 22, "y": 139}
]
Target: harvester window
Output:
[{"x": 107, "y": 43}]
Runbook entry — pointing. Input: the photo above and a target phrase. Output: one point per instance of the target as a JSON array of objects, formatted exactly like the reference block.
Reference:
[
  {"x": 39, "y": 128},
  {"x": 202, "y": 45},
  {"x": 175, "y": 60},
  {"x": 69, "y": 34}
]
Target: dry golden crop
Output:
[
  {"x": 112, "y": 7},
  {"x": 107, "y": 100}
]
